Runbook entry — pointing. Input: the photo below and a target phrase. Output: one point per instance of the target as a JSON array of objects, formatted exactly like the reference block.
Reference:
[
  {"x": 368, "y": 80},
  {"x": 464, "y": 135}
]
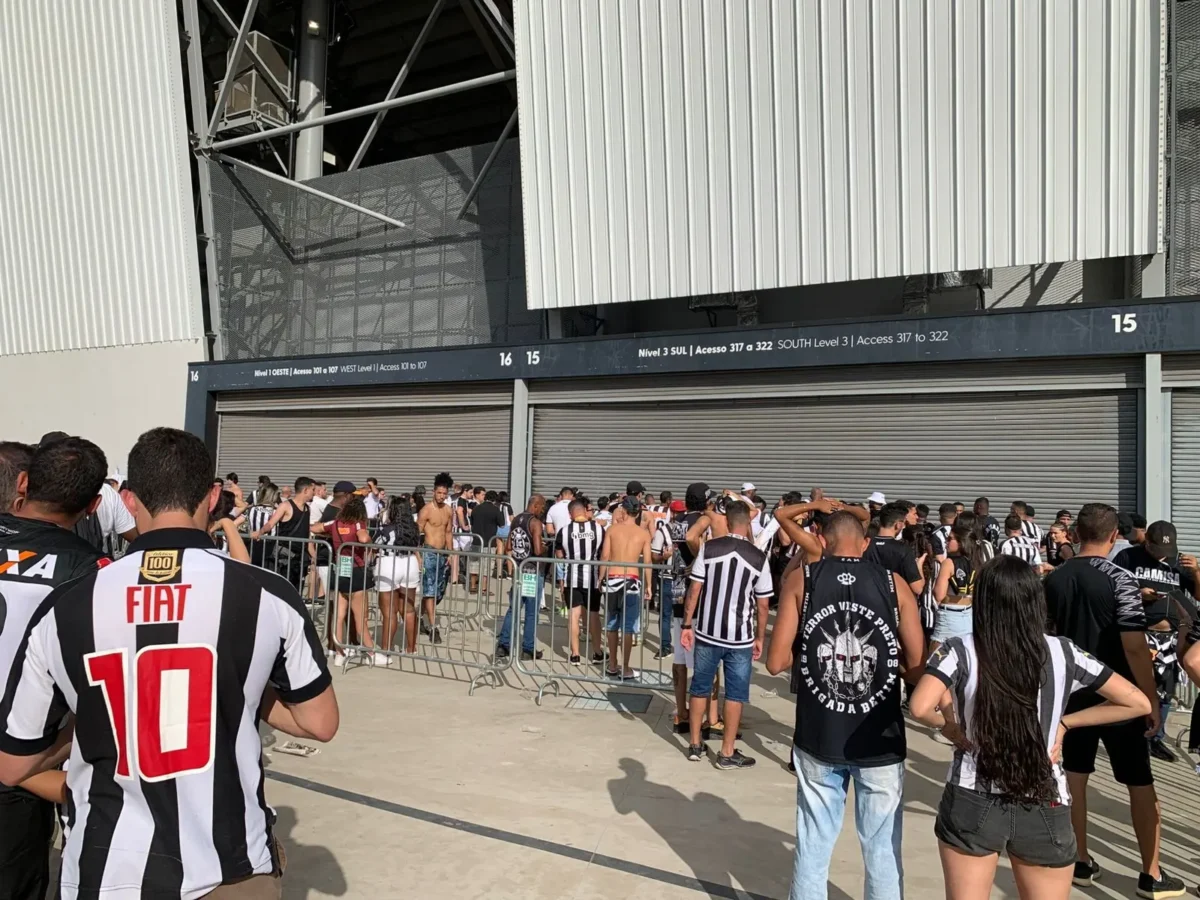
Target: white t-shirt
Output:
[
  {"x": 373, "y": 506},
  {"x": 114, "y": 516},
  {"x": 316, "y": 507},
  {"x": 559, "y": 515}
]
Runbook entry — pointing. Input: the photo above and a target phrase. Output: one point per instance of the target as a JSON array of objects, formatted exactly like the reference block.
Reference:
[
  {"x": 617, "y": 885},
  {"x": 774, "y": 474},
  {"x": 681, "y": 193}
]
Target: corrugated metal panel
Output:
[
  {"x": 1181, "y": 369},
  {"x": 1185, "y": 468},
  {"x": 925, "y": 449},
  {"x": 402, "y": 448},
  {"x": 674, "y": 148},
  {"x": 922, "y": 378},
  {"x": 97, "y": 237},
  {"x": 401, "y": 396}
]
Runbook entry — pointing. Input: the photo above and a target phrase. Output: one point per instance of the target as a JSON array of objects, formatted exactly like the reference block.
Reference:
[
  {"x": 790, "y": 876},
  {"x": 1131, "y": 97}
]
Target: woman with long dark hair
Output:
[
  {"x": 353, "y": 576},
  {"x": 398, "y": 572},
  {"x": 922, "y": 547},
  {"x": 998, "y": 694},
  {"x": 955, "y": 587}
]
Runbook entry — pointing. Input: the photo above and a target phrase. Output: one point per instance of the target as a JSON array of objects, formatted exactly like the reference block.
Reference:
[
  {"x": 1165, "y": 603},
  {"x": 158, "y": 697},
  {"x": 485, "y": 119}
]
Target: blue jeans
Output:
[
  {"x": 529, "y": 611},
  {"x": 666, "y": 595},
  {"x": 820, "y": 805},
  {"x": 737, "y": 662}
]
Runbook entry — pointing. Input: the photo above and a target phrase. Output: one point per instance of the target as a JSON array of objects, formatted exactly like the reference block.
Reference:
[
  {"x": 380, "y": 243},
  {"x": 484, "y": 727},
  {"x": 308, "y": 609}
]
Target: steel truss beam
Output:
[
  {"x": 309, "y": 189},
  {"x": 406, "y": 100},
  {"x": 487, "y": 164},
  {"x": 199, "y": 103},
  {"x": 230, "y": 72},
  {"x": 498, "y": 24},
  {"x": 277, "y": 87},
  {"x": 401, "y": 77}
]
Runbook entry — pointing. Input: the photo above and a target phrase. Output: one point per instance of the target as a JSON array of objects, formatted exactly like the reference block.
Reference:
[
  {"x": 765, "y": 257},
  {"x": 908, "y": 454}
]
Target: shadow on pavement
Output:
[
  {"x": 730, "y": 857},
  {"x": 309, "y": 867}
]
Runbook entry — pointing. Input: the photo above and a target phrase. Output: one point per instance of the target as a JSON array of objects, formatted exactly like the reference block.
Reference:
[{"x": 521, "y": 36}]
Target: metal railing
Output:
[
  {"x": 615, "y": 612},
  {"x": 399, "y": 603}
]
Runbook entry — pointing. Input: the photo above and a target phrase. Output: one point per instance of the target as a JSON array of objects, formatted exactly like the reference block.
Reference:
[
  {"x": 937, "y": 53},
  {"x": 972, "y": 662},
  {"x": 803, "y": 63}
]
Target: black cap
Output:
[
  {"x": 344, "y": 487},
  {"x": 634, "y": 487},
  {"x": 52, "y": 437},
  {"x": 1161, "y": 541},
  {"x": 1124, "y": 524},
  {"x": 696, "y": 495}
]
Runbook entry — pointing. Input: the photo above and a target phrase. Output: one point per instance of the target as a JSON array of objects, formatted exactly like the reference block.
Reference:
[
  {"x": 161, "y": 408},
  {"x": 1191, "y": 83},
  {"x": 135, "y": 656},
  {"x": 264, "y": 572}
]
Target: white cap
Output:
[
  {"x": 877, "y": 497},
  {"x": 115, "y": 475},
  {"x": 747, "y": 486}
]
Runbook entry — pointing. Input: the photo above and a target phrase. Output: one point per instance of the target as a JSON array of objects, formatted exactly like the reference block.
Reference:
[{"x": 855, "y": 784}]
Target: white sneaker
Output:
[
  {"x": 339, "y": 660},
  {"x": 381, "y": 659}
]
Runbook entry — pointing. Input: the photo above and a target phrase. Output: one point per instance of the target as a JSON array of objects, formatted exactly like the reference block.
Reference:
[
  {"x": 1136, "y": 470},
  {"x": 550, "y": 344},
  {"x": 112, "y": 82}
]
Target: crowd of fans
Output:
[{"x": 1023, "y": 647}]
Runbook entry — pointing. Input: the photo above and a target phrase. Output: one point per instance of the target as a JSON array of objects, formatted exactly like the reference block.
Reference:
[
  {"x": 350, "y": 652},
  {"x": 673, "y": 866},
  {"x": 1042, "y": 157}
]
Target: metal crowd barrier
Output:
[
  {"x": 465, "y": 622},
  {"x": 618, "y": 603}
]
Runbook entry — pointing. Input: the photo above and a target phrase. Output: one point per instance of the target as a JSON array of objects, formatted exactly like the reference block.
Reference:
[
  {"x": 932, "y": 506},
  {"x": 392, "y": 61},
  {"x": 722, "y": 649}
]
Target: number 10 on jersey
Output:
[{"x": 170, "y": 707}]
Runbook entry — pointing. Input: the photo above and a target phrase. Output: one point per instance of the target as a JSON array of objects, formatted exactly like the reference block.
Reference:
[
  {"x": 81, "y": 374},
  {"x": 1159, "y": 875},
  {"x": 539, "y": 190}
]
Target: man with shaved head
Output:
[{"x": 855, "y": 628}]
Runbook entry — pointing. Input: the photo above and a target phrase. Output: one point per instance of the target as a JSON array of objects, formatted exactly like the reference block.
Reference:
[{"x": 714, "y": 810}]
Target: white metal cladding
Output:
[
  {"x": 1185, "y": 467},
  {"x": 673, "y": 147},
  {"x": 400, "y": 447},
  {"x": 97, "y": 237},
  {"x": 1051, "y": 449}
]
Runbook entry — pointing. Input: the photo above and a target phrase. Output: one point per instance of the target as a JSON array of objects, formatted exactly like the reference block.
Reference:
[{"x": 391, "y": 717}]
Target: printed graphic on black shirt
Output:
[{"x": 851, "y": 657}]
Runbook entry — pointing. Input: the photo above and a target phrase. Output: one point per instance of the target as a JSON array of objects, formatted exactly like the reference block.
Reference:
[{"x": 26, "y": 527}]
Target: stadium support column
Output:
[
  {"x": 519, "y": 476},
  {"x": 1155, "y": 481},
  {"x": 312, "y": 57}
]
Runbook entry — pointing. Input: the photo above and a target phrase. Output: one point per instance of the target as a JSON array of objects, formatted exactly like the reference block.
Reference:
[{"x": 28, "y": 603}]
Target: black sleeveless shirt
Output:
[
  {"x": 296, "y": 526},
  {"x": 521, "y": 537},
  {"x": 847, "y": 658}
]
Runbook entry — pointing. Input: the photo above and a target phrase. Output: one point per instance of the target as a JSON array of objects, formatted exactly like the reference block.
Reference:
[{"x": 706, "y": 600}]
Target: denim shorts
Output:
[
  {"x": 433, "y": 579},
  {"x": 738, "y": 661},
  {"x": 980, "y": 824},
  {"x": 952, "y": 621},
  {"x": 623, "y": 599}
]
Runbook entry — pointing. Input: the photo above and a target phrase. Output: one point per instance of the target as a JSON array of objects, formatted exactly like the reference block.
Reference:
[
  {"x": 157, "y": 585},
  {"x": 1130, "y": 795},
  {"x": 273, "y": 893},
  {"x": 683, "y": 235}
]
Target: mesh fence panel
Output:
[
  {"x": 1184, "y": 257},
  {"x": 300, "y": 275}
]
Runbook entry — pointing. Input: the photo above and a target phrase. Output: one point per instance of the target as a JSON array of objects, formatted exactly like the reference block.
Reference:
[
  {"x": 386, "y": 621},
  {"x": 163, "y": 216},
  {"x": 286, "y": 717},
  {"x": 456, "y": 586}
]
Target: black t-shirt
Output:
[
  {"x": 895, "y": 556},
  {"x": 329, "y": 514},
  {"x": 1161, "y": 576},
  {"x": 1093, "y": 602},
  {"x": 486, "y": 521}
]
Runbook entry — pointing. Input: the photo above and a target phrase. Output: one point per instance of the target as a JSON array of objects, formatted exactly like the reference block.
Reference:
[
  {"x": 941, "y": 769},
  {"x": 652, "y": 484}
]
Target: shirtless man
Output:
[
  {"x": 625, "y": 585},
  {"x": 436, "y": 522}
]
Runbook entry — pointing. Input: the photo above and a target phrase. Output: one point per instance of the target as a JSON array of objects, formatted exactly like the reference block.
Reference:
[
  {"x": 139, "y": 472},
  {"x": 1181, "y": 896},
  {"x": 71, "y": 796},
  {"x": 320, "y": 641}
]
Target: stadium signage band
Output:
[{"x": 1169, "y": 326}]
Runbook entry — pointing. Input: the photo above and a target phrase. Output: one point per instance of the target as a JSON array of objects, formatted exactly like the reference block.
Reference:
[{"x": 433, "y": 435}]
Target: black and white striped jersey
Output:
[
  {"x": 733, "y": 574},
  {"x": 940, "y": 538},
  {"x": 1033, "y": 531},
  {"x": 1067, "y": 670},
  {"x": 578, "y": 542},
  {"x": 257, "y": 518},
  {"x": 163, "y": 657},
  {"x": 1022, "y": 548}
]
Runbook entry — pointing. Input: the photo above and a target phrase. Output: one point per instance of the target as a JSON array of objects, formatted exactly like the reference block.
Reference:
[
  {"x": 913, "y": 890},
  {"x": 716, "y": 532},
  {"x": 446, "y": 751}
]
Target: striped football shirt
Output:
[
  {"x": 1067, "y": 669},
  {"x": 733, "y": 575},
  {"x": 1022, "y": 548}
]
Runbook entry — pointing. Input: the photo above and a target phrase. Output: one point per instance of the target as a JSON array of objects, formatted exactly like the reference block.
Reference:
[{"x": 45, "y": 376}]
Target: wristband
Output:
[{"x": 685, "y": 627}]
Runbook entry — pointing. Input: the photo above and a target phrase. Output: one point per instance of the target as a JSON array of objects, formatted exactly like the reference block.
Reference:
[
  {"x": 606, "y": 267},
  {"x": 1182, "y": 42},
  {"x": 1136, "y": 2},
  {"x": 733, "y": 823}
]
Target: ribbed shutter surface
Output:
[
  {"x": 1185, "y": 467},
  {"x": 1052, "y": 450},
  {"x": 402, "y": 448}
]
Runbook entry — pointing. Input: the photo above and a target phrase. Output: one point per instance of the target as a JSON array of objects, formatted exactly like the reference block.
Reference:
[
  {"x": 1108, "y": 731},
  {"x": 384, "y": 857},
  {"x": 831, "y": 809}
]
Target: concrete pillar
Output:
[
  {"x": 1155, "y": 442},
  {"x": 518, "y": 459},
  {"x": 311, "y": 60}
]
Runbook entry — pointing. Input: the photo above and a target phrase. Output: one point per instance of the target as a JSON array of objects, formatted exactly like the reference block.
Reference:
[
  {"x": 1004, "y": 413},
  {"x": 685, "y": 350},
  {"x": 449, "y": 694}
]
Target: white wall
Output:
[
  {"x": 108, "y": 395},
  {"x": 674, "y": 148},
  {"x": 97, "y": 232}
]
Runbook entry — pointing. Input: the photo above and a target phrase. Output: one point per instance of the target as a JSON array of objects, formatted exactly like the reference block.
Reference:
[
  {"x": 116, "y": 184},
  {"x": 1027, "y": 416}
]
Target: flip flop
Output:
[{"x": 292, "y": 748}]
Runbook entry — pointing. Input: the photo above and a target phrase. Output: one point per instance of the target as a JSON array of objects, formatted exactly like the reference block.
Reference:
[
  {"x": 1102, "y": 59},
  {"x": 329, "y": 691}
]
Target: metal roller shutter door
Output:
[
  {"x": 1051, "y": 449},
  {"x": 400, "y": 447},
  {"x": 1185, "y": 467}
]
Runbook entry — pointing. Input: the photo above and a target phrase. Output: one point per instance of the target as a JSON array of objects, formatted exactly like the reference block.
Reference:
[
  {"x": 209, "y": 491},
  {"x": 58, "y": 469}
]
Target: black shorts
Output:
[
  {"x": 981, "y": 824},
  {"x": 361, "y": 579},
  {"x": 26, "y": 829},
  {"x": 1127, "y": 747},
  {"x": 589, "y": 597}
]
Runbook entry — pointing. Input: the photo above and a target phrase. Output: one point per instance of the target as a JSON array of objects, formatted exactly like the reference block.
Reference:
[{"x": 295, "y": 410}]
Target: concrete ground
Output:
[{"x": 427, "y": 792}]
